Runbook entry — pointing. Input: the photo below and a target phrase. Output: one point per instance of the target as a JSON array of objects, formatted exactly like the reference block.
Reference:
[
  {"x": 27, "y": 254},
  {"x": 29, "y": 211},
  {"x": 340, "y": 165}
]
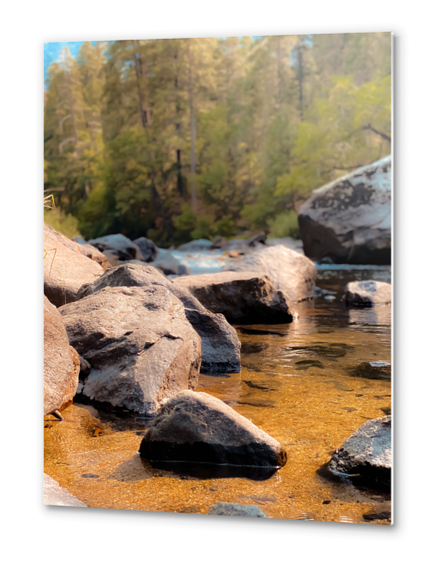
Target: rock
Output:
[
  {"x": 65, "y": 267},
  {"x": 220, "y": 345},
  {"x": 368, "y": 293},
  {"x": 366, "y": 455},
  {"x": 287, "y": 242},
  {"x": 287, "y": 270},
  {"x": 196, "y": 246},
  {"x": 54, "y": 494},
  {"x": 197, "y": 427},
  {"x": 94, "y": 254},
  {"x": 257, "y": 239},
  {"x": 117, "y": 245},
  {"x": 169, "y": 265},
  {"x": 375, "y": 370},
  {"x": 349, "y": 220},
  {"x": 78, "y": 240},
  {"x": 148, "y": 249},
  {"x": 61, "y": 362},
  {"x": 218, "y": 242},
  {"x": 241, "y": 296},
  {"x": 233, "y": 254},
  {"x": 140, "y": 345},
  {"x": 236, "y": 510}
]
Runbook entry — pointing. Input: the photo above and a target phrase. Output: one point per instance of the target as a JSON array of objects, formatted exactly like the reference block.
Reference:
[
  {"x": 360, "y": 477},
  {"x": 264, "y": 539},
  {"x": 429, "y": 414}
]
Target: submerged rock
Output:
[
  {"x": 376, "y": 370},
  {"x": 117, "y": 245},
  {"x": 366, "y": 455},
  {"x": 61, "y": 362},
  {"x": 197, "y": 427},
  {"x": 236, "y": 510},
  {"x": 148, "y": 249},
  {"x": 54, "y": 494},
  {"x": 169, "y": 265},
  {"x": 220, "y": 345},
  {"x": 288, "y": 271},
  {"x": 66, "y": 267},
  {"x": 241, "y": 296},
  {"x": 140, "y": 345},
  {"x": 368, "y": 293},
  {"x": 349, "y": 220}
]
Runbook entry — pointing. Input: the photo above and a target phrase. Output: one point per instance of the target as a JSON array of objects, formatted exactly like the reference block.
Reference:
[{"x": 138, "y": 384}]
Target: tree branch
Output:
[{"x": 383, "y": 135}]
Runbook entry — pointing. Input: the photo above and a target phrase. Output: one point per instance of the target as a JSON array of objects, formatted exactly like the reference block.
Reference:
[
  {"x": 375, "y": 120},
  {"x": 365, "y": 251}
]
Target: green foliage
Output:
[
  {"x": 180, "y": 139},
  {"x": 66, "y": 224}
]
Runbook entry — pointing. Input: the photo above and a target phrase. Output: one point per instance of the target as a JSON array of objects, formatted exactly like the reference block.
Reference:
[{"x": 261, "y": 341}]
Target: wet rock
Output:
[
  {"x": 117, "y": 245},
  {"x": 54, "y": 494},
  {"x": 66, "y": 268},
  {"x": 287, "y": 270},
  {"x": 61, "y": 362},
  {"x": 236, "y": 510},
  {"x": 257, "y": 239},
  {"x": 219, "y": 342},
  {"x": 148, "y": 249},
  {"x": 169, "y": 265},
  {"x": 241, "y": 296},
  {"x": 197, "y": 427},
  {"x": 349, "y": 220},
  {"x": 375, "y": 370},
  {"x": 140, "y": 345},
  {"x": 367, "y": 293},
  {"x": 366, "y": 455},
  {"x": 196, "y": 246}
]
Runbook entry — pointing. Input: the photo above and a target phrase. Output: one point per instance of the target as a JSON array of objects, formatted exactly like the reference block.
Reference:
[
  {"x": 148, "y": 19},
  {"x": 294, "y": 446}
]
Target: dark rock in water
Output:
[
  {"x": 236, "y": 510},
  {"x": 242, "y": 297},
  {"x": 218, "y": 242},
  {"x": 148, "y": 249},
  {"x": 325, "y": 350},
  {"x": 288, "y": 271},
  {"x": 54, "y": 494},
  {"x": 251, "y": 384},
  {"x": 307, "y": 363},
  {"x": 365, "y": 457},
  {"x": 367, "y": 293},
  {"x": 169, "y": 265},
  {"x": 256, "y": 239},
  {"x": 140, "y": 345},
  {"x": 66, "y": 268},
  {"x": 349, "y": 220},
  {"x": 250, "y": 348},
  {"x": 375, "y": 370},
  {"x": 380, "y": 516},
  {"x": 197, "y": 427},
  {"x": 196, "y": 246},
  {"x": 220, "y": 345},
  {"x": 61, "y": 362},
  {"x": 118, "y": 245},
  {"x": 325, "y": 261}
]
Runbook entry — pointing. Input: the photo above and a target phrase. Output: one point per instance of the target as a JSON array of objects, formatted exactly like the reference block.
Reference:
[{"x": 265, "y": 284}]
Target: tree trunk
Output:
[
  {"x": 193, "y": 132},
  {"x": 139, "y": 75}
]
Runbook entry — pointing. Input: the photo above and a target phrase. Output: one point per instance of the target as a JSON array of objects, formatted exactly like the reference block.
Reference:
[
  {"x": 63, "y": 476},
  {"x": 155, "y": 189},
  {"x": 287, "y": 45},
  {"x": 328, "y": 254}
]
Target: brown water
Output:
[{"x": 296, "y": 384}]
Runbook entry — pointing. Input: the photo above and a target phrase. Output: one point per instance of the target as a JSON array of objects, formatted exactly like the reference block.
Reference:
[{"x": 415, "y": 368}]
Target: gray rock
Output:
[
  {"x": 236, "y": 510},
  {"x": 61, "y": 362},
  {"x": 366, "y": 455},
  {"x": 288, "y": 271},
  {"x": 66, "y": 268},
  {"x": 54, "y": 494},
  {"x": 218, "y": 242},
  {"x": 196, "y": 427},
  {"x": 219, "y": 342},
  {"x": 94, "y": 254},
  {"x": 78, "y": 240},
  {"x": 368, "y": 293},
  {"x": 169, "y": 265},
  {"x": 117, "y": 245},
  {"x": 349, "y": 220},
  {"x": 288, "y": 242},
  {"x": 148, "y": 249},
  {"x": 140, "y": 345},
  {"x": 241, "y": 296},
  {"x": 257, "y": 239},
  {"x": 196, "y": 246}
]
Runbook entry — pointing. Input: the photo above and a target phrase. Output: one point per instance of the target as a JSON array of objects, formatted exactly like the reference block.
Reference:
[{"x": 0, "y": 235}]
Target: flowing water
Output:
[{"x": 297, "y": 383}]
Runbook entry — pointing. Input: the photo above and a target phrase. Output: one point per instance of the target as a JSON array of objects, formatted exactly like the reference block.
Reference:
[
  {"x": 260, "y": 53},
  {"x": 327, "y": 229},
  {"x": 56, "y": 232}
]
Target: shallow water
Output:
[{"x": 297, "y": 383}]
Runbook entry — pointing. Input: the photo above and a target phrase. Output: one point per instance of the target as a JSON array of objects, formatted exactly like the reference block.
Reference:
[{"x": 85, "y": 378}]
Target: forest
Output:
[{"x": 181, "y": 139}]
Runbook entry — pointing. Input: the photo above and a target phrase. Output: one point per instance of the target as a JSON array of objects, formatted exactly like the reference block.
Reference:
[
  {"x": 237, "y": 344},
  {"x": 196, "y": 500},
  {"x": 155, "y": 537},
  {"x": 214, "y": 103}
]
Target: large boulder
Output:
[
  {"x": 220, "y": 345},
  {"x": 117, "y": 245},
  {"x": 66, "y": 268},
  {"x": 140, "y": 345},
  {"x": 61, "y": 362},
  {"x": 197, "y": 427},
  {"x": 147, "y": 248},
  {"x": 367, "y": 293},
  {"x": 77, "y": 244},
  {"x": 349, "y": 220},
  {"x": 288, "y": 271},
  {"x": 241, "y": 296},
  {"x": 366, "y": 455}
]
